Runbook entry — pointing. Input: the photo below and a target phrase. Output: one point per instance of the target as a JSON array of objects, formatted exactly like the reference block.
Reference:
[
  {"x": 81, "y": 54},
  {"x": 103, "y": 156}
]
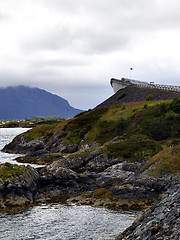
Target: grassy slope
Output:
[{"x": 131, "y": 131}]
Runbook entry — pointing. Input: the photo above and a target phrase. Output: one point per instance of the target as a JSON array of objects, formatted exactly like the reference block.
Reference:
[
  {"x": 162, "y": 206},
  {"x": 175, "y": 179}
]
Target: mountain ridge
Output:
[{"x": 22, "y": 101}]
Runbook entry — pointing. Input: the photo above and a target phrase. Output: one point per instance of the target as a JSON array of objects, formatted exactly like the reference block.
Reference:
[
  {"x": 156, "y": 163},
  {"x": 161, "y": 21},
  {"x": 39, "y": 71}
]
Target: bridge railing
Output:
[{"x": 159, "y": 86}]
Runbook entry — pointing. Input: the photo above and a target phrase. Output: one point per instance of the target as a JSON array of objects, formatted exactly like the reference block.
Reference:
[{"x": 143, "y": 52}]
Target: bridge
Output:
[{"x": 124, "y": 82}]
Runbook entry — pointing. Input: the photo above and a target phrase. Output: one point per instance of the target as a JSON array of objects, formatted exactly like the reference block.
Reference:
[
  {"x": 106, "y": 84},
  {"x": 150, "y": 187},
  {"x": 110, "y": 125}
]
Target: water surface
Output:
[{"x": 60, "y": 222}]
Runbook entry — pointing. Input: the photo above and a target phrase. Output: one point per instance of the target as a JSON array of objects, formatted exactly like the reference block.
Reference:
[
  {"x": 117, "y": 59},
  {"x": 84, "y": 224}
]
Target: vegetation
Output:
[
  {"x": 157, "y": 121},
  {"x": 121, "y": 95},
  {"x": 135, "y": 148},
  {"x": 104, "y": 198},
  {"x": 128, "y": 131},
  {"x": 165, "y": 162},
  {"x": 45, "y": 130},
  {"x": 9, "y": 171},
  {"x": 30, "y": 122},
  {"x": 149, "y": 97}
]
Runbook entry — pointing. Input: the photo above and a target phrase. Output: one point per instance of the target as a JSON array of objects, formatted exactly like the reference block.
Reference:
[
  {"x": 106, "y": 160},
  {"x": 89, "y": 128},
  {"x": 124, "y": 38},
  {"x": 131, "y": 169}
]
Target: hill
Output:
[
  {"x": 121, "y": 156},
  {"x": 22, "y": 102},
  {"x": 132, "y": 132}
]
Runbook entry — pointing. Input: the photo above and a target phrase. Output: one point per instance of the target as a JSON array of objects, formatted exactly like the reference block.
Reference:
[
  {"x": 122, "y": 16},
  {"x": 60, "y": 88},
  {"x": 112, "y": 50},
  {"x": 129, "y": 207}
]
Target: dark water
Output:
[{"x": 56, "y": 221}]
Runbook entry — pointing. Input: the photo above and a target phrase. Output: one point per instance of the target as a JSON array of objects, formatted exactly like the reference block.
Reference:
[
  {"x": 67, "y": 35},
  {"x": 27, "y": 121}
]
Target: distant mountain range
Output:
[{"x": 22, "y": 102}]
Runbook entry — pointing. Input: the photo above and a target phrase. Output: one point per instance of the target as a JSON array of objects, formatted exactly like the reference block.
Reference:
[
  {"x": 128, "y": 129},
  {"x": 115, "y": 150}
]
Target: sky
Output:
[{"x": 73, "y": 48}]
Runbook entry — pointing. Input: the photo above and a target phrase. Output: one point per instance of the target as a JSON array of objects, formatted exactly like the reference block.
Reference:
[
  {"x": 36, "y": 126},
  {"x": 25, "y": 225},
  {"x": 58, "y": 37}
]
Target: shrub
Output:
[
  {"x": 149, "y": 97},
  {"x": 145, "y": 106},
  {"x": 170, "y": 115},
  {"x": 175, "y": 105},
  {"x": 163, "y": 107},
  {"x": 122, "y": 124},
  {"x": 136, "y": 148},
  {"x": 121, "y": 95}
]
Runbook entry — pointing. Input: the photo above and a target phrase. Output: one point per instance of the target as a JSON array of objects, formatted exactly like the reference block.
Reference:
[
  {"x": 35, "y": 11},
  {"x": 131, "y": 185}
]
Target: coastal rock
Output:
[
  {"x": 91, "y": 161},
  {"x": 161, "y": 222},
  {"x": 18, "y": 190},
  {"x": 21, "y": 144}
]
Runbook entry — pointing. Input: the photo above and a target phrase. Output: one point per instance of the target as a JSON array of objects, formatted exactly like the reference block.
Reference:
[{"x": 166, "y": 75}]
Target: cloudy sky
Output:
[{"x": 73, "y": 47}]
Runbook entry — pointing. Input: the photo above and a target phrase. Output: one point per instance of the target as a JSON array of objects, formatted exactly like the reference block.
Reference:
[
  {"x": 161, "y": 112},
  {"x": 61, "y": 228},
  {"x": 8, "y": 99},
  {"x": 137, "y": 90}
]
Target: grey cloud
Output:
[
  {"x": 90, "y": 40},
  {"x": 52, "y": 39},
  {"x": 111, "y": 25},
  {"x": 71, "y": 59},
  {"x": 64, "y": 62},
  {"x": 4, "y": 16},
  {"x": 95, "y": 41}
]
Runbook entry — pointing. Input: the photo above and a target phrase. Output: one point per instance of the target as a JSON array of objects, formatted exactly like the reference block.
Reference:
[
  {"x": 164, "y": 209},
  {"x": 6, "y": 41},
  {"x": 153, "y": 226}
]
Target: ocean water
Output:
[
  {"x": 61, "y": 222},
  {"x": 6, "y": 136},
  {"x": 58, "y": 221}
]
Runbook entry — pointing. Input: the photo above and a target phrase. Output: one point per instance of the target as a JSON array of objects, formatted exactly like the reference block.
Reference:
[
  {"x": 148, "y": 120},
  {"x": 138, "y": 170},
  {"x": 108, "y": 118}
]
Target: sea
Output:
[{"x": 59, "y": 221}]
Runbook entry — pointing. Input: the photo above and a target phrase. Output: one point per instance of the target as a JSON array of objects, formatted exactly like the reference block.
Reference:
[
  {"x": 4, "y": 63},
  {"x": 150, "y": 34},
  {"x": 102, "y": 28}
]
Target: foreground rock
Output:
[
  {"x": 161, "y": 222},
  {"x": 120, "y": 186},
  {"x": 18, "y": 185}
]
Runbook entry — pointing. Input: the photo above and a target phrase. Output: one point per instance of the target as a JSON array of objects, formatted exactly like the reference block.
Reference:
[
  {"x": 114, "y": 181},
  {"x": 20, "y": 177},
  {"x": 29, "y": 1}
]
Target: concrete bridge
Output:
[{"x": 124, "y": 82}]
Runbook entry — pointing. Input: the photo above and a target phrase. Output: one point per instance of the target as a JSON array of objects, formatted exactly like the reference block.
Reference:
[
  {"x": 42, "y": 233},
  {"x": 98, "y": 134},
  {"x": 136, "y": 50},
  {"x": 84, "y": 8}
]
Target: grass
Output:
[
  {"x": 165, "y": 162},
  {"x": 46, "y": 131},
  {"x": 143, "y": 130}
]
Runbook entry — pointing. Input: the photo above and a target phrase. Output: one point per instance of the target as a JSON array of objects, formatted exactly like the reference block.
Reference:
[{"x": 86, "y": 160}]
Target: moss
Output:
[
  {"x": 34, "y": 160},
  {"x": 9, "y": 171},
  {"x": 104, "y": 198}
]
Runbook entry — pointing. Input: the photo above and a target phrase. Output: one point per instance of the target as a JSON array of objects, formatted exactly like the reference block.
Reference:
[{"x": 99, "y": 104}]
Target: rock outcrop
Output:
[
  {"x": 161, "y": 222},
  {"x": 17, "y": 190}
]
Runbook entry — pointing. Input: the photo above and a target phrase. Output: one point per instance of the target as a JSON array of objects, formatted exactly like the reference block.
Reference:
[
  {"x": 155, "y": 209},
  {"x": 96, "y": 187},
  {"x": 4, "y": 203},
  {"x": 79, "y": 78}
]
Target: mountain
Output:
[{"x": 22, "y": 102}]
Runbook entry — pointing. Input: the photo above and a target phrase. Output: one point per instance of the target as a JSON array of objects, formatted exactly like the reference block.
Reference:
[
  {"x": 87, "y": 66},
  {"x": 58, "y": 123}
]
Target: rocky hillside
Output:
[
  {"x": 137, "y": 94},
  {"x": 123, "y": 156},
  {"x": 21, "y": 102}
]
